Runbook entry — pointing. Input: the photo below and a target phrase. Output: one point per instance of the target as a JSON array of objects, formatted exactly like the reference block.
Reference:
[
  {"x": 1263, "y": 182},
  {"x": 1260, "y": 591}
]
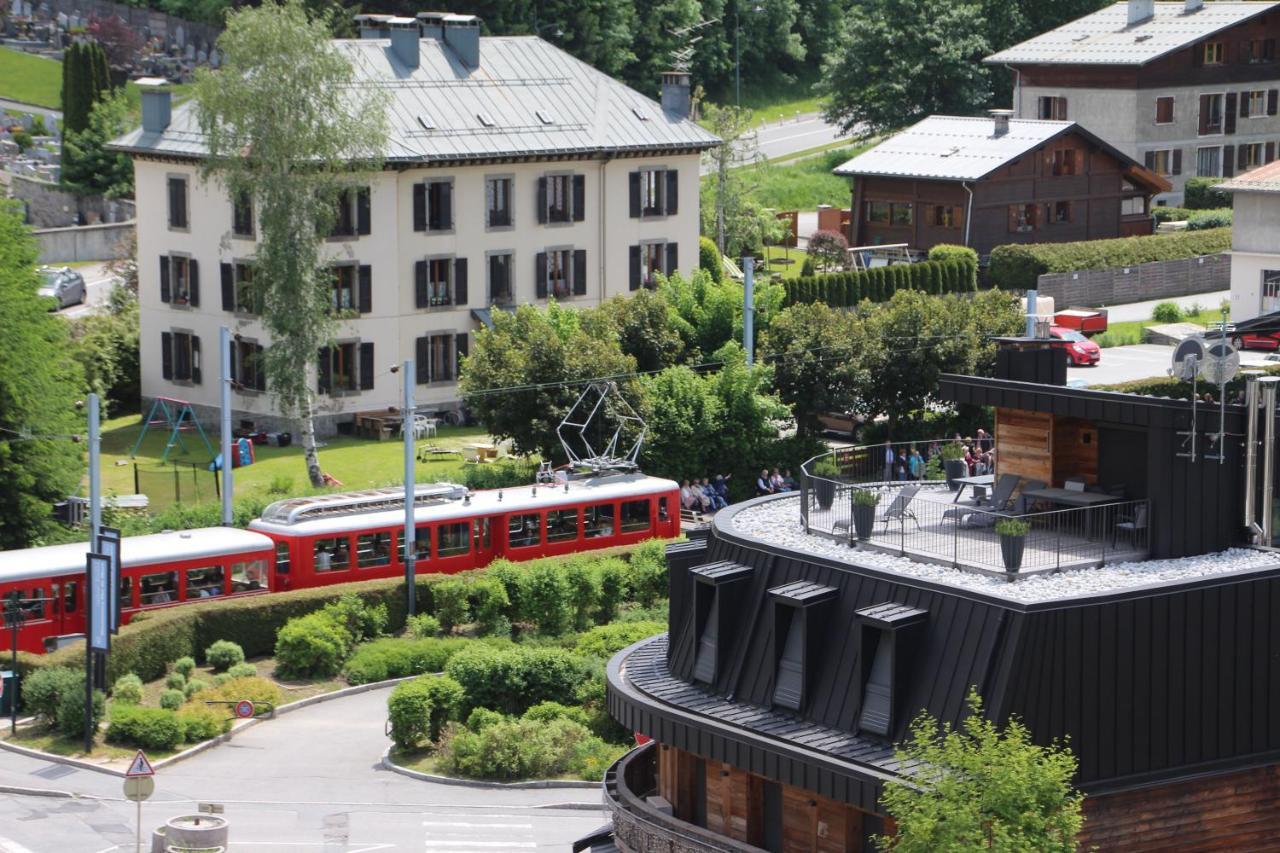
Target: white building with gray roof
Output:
[{"x": 514, "y": 174}]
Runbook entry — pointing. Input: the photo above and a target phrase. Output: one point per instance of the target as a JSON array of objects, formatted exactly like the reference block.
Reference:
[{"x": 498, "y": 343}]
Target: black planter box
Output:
[
  {"x": 864, "y": 519},
  {"x": 1011, "y": 548}
]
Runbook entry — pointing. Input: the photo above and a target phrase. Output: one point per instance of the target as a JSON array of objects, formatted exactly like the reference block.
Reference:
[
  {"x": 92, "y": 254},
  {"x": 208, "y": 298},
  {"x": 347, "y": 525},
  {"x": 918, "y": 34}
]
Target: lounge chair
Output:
[
  {"x": 1131, "y": 525},
  {"x": 900, "y": 510},
  {"x": 998, "y": 502}
]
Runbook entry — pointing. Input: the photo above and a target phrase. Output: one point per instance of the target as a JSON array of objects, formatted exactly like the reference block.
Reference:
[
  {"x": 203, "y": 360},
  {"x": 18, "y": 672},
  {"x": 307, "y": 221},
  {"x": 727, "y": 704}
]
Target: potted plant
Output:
[
  {"x": 1013, "y": 539},
  {"x": 953, "y": 464},
  {"x": 825, "y": 472},
  {"x": 864, "y": 512}
]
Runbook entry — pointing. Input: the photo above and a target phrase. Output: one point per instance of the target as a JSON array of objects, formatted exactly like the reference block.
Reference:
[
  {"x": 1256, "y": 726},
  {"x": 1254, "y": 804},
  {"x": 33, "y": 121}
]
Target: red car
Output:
[
  {"x": 1264, "y": 341},
  {"x": 1079, "y": 349}
]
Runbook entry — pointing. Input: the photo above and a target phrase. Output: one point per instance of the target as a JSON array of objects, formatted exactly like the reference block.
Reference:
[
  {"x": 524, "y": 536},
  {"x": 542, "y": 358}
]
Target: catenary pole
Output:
[
  {"x": 224, "y": 401},
  {"x": 406, "y": 430},
  {"x": 95, "y": 470},
  {"x": 748, "y": 307}
]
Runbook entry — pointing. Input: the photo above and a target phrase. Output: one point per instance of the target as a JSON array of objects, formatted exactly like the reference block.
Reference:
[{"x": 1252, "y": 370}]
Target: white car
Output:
[{"x": 62, "y": 283}]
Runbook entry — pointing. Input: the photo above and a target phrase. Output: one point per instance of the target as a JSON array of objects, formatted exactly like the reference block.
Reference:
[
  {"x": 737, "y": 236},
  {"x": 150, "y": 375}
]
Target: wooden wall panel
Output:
[
  {"x": 1075, "y": 450},
  {"x": 675, "y": 780},
  {"x": 1023, "y": 442}
]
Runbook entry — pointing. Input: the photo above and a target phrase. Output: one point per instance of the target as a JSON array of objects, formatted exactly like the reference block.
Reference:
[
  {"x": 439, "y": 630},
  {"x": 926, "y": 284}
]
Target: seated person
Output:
[
  {"x": 789, "y": 482},
  {"x": 763, "y": 484},
  {"x": 712, "y": 499}
]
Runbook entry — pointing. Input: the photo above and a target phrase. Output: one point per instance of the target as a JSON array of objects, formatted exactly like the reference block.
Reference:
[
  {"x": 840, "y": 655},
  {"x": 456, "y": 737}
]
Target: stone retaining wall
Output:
[{"x": 1158, "y": 280}]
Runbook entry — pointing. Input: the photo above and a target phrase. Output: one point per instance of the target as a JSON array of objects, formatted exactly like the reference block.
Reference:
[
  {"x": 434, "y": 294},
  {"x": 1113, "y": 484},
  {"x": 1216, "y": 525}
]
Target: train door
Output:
[
  {"x": 68, "y": 605},
  {"x": 482, "y": 546}
]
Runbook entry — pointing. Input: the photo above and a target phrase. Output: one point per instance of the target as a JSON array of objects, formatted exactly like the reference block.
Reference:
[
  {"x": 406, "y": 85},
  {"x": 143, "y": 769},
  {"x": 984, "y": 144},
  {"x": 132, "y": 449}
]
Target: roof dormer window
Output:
[
  {"x": 713, "y": 618},
  {"x": 887, "y": 647},
  {"x": 796, "y": 629}
]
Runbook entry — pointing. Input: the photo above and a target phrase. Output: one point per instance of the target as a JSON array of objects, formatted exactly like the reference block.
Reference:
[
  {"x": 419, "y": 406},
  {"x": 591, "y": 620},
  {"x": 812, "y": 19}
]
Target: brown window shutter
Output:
[
  {"x": 421, "y": 356},
  {"x": 1269, "y": 152},
  {"x": 164, "y": 279},
  {"x": 633, "y": 182},
  {"x": 193, "y": 281},
  {"x": 362, "y": 211},
  {"x": 1148, "y": 160},
  {"x": 324, "y": 371},
  {"x": 1244, "y": 105},
  {"x": 1204, "y": 114},
  {"x": 421, "y": 297},
  {"x": 259, "y": 369},
  {"x": 542, "y": 200},
  {"x": 365, "y": 296},
  {"x": 634, "y": 283},
  {"x": 672, "y": 258},
  {"x": 540, "y": 275},
  {"x": 1229, "y": 114},
  {"x": 460, "y": 281},
  {"x": 195, "y": 360},
  {"x": 1271, "y": 101},
  {"x": 1242, "y": 157},
  {"x": 580, "y": 272},
  {"x": 1177, "y": 161},
  {"x": 579, "y": 197},
  {"x": 366, "y": 366},
  {"x": 419, "y": 207},
  {"x": 166, "y": 355},
  {"x": 1228, "y": 161},
  {"x": 673, "y": 192},
  {"x": 228, "y": 288}
]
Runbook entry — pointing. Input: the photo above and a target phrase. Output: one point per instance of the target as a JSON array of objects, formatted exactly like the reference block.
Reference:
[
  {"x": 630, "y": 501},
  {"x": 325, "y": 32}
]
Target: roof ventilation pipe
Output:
[
  {"x": 676, "y": 96},
  {"x": 1142, "y": 10},
  {"x": 1193, "y": 6},
  {"x": 1001, "y": 120},
  {"x": 1251, "y": 458},
  {"x": 404, "y": 40},
  {"x": 462, "y": 33}
]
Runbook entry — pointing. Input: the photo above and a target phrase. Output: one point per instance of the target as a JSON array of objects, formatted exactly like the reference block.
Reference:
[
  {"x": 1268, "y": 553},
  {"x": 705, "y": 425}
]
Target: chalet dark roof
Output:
[
  {"x": 967, "y": 148},
  {"x": 803, "y": 592},
  {"x": 1262, "y": 324},
  {"x": 891, "y": 615},
  {"x": 1106, "y": 37}
]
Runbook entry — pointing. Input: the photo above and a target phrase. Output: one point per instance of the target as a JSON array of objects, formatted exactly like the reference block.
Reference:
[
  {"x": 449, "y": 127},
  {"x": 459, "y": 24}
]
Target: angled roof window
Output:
[
  {"x": 426, "y": 122},
  {"x": 544, "y": 117},
  {"x": 640, "y": 114},
  {"x": 484, "y": 119},
  {"x": 888, "y": 640}
]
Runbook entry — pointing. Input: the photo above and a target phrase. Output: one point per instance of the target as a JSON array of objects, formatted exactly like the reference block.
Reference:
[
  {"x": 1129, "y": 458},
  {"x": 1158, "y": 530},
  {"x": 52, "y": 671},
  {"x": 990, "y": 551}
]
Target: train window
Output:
[
  {"x": 69, "y": 597},
  {"x": 33, "y": 607},
  {"x": 482, "y": 534},
  {"x": 421, "y": 544},
  {"x": 524, "y": 530},
  {"x": 248, "y": 575},
  {"x": 562, "y": 525},
  {"x": 373, "y": 549},
  {"x": 161, "y": 588},
  {"x": 208, "y": 582},
  {"x": 635, "y": 516},
  {"x": 455, "y": 539},
  {"x": 332, "y": 555},
  {"x": 282, "y": 557},
  {"x": 599, "y": 521},
  {"x": 126, "y": 593},
  {"x": 662, "y": 509}
]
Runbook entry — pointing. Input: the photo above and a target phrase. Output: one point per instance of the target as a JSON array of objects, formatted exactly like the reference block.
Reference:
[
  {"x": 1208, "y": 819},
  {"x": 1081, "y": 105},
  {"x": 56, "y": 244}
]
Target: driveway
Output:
[
  {"x": 309, "y": 781},
  {"x": 1141, "y": 361}
]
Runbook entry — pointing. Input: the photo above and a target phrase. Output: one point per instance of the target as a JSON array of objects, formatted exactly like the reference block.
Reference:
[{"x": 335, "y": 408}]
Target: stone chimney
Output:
[
  {"x": 676, "y": 94},
  {"x": 1141, "y": 10},
  {"x": 373, "y": 26},
  {"x": 404, "y": 40},
  {"x": 1000, "y": 118},
  {"x": 1193, "y": 6},
  {"x": 462, "y": 34},
  {"x": 157, "y": 103},
  {"x": 432, "y": 25}
]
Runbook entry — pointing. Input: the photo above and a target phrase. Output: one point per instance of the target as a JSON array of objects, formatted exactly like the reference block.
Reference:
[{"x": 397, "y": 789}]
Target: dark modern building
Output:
[
  {"x": 794, "y": 660},
  {"x": 984, "y": 182}
]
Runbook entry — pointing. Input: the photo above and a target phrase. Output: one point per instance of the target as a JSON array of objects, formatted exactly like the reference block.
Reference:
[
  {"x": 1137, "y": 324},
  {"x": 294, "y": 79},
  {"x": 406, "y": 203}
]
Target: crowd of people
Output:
[
  {"x": 705, "y": 495},
  {"x": 910, "y": 463}
]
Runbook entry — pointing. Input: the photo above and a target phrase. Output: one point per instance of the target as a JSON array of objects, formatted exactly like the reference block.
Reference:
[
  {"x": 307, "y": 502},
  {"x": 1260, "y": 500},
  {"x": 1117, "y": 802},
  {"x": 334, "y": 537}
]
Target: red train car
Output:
[
  {"x": 159, "y": 570},
  {"x": 355, "y": 536}
]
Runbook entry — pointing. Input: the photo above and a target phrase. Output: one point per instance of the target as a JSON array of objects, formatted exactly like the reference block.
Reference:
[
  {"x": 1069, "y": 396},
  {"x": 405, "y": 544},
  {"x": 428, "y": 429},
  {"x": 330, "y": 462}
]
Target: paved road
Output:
[
  {"x": 1142, "y": 310},
  {"x": 307, "y": 782},
  {"x": 20, "y": 107},
  {"x": 1143, "y": 361},
  {"x": 98, "y": 283},
  {"x": 791, "y": 136}
]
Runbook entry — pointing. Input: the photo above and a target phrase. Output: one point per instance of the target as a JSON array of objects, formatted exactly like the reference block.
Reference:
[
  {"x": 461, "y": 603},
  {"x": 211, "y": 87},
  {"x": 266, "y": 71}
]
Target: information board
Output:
[
  {"x": 98, "y": 574},
  {"x": 109, "y": 545}
]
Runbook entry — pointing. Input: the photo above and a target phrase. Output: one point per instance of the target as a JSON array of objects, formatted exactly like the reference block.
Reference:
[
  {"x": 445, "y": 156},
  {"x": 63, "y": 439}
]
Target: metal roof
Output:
[
  {"x": 443, "y": 111},
  {"x": 1264, "y": 179},
  {"x": 1107, "y": 38}
]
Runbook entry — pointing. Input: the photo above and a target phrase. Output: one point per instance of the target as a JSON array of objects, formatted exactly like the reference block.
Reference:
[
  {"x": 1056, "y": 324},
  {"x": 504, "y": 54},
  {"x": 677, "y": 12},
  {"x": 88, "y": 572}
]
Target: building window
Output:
[
  {"x": 1259, "y": 51},
  {"x": 436, "y": 356},
  {"x": 524, "y": 531},
  {"x": 1250, "y": 155},
  {"x": 238, "y": 294},
  {"x": 1253, "y": 104},
  {"x": 1133, "y": 206},
  {"x": 1058, "y": 213},
  {"x": 1051, "y": 107},
  {"x": 946, "y": 216},
  {"x": 654, "y": 192},
  {"x": 1164, "y": 110},
  {"x": 498, "y": 207},
  {"x": 1211, "y": 111},
  {"x": 180, "y": 357},
  {"x": 560, "y": 273},
  {"x": 1213, "y": 53},
  {"x": 501, "y": 290},
  {"x": 346, "y": 367},
  {"x": 453, "y": 539},
  {"x": 1022, "y": 217},
  {"x": 178, "y": 203},
  {"x": 649, "y": 260},
  {"x": 901, "y": 214},
  {"x": 179, "y": 280},
  {"x": 246, "y": 365},
  {"x": 351, "y": 212},
  {"x": 440, "y": 282},
  {"x": 891, "y": 213},
  {"x": 878, "y": 212},
  {"x": 433, "y": 205},
  {"x": 1209, "y": 162},
  {"x": 1065, "y": 161},
  {"x": 561, "y": 198},
  {"x": 1165, "y": 162},
  {"x": 242, "y": 215},
  {"x": 1271, "y": 284},
  {"x": 352, "y": 288}
]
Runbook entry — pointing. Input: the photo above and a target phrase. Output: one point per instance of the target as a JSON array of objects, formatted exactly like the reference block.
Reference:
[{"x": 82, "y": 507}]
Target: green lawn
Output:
[
  {"x": 801, "y": 184},
  {"x": 30, "y": 79},
  {"x": 1133, "y": 331},
  {"x": 772, "y": 103},
  {"x": 356, "y": 462},
  {"x": 788, "y": 262}
]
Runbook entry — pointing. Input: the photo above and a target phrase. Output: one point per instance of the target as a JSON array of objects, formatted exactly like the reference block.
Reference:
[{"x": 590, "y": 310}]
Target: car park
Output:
[{"x": 63, "y": 284}]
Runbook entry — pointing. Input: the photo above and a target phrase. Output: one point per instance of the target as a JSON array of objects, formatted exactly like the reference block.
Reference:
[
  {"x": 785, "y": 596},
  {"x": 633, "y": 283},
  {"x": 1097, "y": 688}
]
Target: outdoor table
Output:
[
  {"x": 1067, "y": 497},
  {"x": 980, "y": 481}
]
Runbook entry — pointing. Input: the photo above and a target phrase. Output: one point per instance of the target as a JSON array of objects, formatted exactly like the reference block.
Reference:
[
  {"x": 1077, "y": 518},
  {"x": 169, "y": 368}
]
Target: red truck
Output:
[{"x": 1086, "y": 321}]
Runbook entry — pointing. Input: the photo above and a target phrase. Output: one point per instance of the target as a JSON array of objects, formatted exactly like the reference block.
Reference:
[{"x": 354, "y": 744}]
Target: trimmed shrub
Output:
[
  {"x": 584, "y": 591},
  {"x": 829, "y": 250},
  {"x": 1171, "y": 214},
  {"x": 481, "y": 718},
  {"x": 172, "y": 700},
  {"x": 361, "y": 619},
  {"x": 806, "y": 269},
  {"x": 42, "y": 690},
  {"x": 221, "y": 679},
  {"x": 546, "y": 598},
  {"x": 453, "y": 606},
  {"x": 396, "y": 658},
  {"x": 242, "y": 670},
  {"x": 312, "y": 646},
  {"x": 71, "y": 711},
  {"x": 526, "y": 749},
  {"x": 709, "y": 259},
  {"x": 1203, "y": 220},
  {"x": 614, "y": 577},
  {"x": 185, "y": 665},
  {"x": 127, "y": 690},
  {"x": 175, "y": 681},
  {"x": 649, "y": 571},
  {"x": 506, "y": 474},
  {"x": 200, "y": 722},
  {"x": 1167, "y": 312},
  {"x": 419, "y": 709},
  {"x": 145, "y": 728},
  {"x": 259, "y": 691},
  {"x": 422, "y": 626},
  {"x": 605, "y": 641},
  {"x": 491, "y": 605},
  {"x": 1017, "y": 266},
  {"x": 1199, "y": 194},
  {"x": 953, "y": 252},
  {"x": 545, "y": 712},
  {"x": 193, "y": 687},
  {"x": 490, "y": 677},
  {"x": 954, "y": 272},
  {"x": 223, "y": 655}
]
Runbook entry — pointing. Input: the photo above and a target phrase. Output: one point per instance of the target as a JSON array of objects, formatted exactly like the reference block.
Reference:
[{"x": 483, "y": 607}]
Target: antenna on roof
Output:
[
  {"x": 686, "y": 38},
  {"x": 601, "y": 399}
]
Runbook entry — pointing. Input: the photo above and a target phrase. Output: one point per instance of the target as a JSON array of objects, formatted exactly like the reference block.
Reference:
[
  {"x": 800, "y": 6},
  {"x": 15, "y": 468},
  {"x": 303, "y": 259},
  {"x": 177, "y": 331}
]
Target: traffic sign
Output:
[
  {"x": 244, "y": 709},
  {"x": 140, "y": 766},
  {"x": 139, "y": 788}
]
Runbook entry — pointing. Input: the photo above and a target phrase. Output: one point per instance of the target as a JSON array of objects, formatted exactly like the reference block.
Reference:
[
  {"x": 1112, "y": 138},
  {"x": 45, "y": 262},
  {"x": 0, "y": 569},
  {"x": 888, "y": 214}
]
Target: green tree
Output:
[
  {"x": 818, "y": 360},
  {"x": 282, "y": 129},
  {"x": 105, "y": 343},
  {"x": 525, "y": 373},
  {"x": 87, "y": 165},
  {"x": 39, "y": 386},
  {"x": 901, "y": 60},
  {"x": 643, "y": 324},
  {"x": 708, "y": 313},
  {"x": 729, "y": 215},
  {"x": 599, "y": 32},
  {"x": 654, "y": 41},
  {"x": 979, "y": 787},
  {"x": 85, "y": 81}
]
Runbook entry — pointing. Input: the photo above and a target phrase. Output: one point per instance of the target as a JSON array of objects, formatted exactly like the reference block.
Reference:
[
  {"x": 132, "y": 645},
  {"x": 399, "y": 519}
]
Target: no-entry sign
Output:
[{"x": 244, "y": 709}]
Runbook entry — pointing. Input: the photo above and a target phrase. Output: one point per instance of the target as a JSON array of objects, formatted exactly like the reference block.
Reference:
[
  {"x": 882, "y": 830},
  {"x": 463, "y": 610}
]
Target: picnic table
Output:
[
  {"x": 980, "y": 481},
  {"x": 380, "y": 425},
  {"x": 1071, "y": 498}
]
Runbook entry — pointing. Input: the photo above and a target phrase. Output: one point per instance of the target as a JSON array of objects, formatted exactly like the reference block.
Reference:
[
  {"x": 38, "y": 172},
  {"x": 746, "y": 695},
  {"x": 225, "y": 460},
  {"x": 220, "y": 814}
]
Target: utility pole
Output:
[
  {"x": 224, "y": 401},
  {"x": 95, "y": 469},
  {"x": 406, "y": 431},
  {"x": 748, "y": 307}
]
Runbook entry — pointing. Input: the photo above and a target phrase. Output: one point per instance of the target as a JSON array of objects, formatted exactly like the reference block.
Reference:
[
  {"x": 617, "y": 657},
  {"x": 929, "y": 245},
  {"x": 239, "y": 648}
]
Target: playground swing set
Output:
[{"x": 177, "y": 417}]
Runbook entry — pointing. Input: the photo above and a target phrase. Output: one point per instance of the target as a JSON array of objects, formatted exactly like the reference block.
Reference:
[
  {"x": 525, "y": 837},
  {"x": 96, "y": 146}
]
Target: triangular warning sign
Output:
[{"x": 140, "y": 766}]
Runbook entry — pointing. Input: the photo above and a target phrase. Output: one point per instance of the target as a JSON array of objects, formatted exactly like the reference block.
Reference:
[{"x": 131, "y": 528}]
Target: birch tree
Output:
[{"x": 288, "y": 127}]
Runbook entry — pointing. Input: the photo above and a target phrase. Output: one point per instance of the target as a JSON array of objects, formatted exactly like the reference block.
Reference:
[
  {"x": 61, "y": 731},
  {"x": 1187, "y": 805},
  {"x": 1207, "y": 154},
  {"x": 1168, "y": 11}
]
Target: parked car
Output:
[
  {"x": 1269, "y": 341},
  {"x": 1079, "y": 349},
  {"x": 62, "y": 283},
  {"x": 1087, "y": 321}
]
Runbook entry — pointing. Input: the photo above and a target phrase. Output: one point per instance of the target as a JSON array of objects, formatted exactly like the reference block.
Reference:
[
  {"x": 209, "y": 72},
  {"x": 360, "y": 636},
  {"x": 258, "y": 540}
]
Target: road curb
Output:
[{"x": 546, "y": 784}]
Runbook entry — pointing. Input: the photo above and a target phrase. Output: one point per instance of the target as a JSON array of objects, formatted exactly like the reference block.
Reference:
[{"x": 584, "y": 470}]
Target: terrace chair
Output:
[
  {"x": 998, "y": 502},
  {"x": 900, "y": 510},
  {"x": 1131, "y": 525}
]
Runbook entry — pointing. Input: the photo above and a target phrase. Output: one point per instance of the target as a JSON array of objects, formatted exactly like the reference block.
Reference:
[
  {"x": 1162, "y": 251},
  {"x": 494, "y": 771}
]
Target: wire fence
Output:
[{"x": 176, "y": 483}]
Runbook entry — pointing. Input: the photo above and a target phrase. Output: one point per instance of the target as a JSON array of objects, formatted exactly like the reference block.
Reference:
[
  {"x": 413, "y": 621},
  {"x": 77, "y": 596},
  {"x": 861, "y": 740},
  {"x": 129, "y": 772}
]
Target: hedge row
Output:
[
  {"x": 1199, "y": 194},
  {"x": 1016, "y": 267},
  {"x": 846, "y": 289}
]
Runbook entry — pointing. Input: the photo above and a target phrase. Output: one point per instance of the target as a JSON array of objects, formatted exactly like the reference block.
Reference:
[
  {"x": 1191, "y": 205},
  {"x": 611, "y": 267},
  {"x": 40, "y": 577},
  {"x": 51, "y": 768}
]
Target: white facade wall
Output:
[
  {"x": 392, "y": 247},
  {"x": 1255, "y": 252}
]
